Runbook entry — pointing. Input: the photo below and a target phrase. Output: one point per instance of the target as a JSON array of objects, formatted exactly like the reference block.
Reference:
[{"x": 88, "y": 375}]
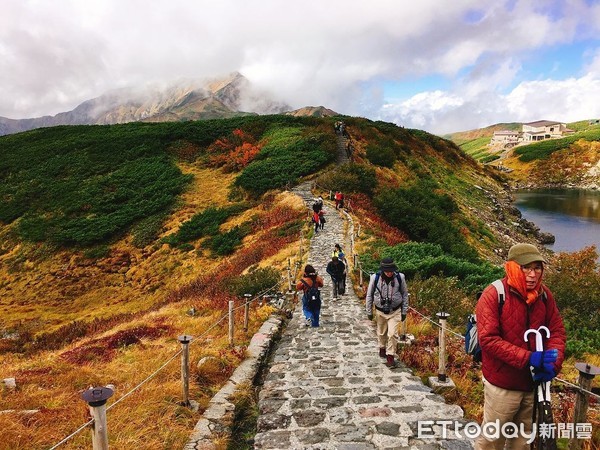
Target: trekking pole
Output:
[
  {"x": 587, "y": 373},
  {"x": 96, "y": 398}
]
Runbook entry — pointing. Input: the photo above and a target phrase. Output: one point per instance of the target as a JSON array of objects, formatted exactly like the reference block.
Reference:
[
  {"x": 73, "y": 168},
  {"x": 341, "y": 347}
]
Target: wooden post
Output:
[
  {"x": 360, "y": 276},
  {"x": 442, "y": 338},
  {"x": 289, "y": 270},
  {"x": 231, "y": 322},
  {"x": 587, "y": 373},
  {"x": 185, "y": 368},
  {"x": 246, "y": 310},
  {"x": 96, "y": 398}
]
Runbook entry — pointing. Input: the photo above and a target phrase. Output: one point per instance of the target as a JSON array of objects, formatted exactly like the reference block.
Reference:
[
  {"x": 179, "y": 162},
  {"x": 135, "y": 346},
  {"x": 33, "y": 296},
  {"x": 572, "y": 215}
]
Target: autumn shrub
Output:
[
  {"x": 575, "y": 282},
  {"x": 233, "y": 152},
  {"x": 349, "y": 178},
  {"x": 288, "y": 153},
  {"x": 255, "y": 281},
  {"x": 418, "y": 259},
  {"x": 426, "y": 215},
  {"x": 204, "y": 224},
  {"x": 226, "y": 243},
  {"x": 146, "y": 231},
  {"x": 381, "y": 156}
]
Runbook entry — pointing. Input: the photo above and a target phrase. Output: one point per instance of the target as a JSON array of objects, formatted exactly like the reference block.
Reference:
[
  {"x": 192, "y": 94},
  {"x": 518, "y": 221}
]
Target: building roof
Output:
[{"x": 542, "y": 123}]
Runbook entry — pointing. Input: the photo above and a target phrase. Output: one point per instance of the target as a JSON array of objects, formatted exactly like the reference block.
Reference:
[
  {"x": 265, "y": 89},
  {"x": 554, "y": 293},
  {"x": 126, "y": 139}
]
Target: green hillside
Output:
[{"x": 116, "y": 239}]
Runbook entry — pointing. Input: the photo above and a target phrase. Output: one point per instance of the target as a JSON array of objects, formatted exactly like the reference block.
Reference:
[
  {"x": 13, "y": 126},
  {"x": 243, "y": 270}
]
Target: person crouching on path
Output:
[
  {"x": 336, "y": 269},
  {"x": 312, "y": 310},
  {"x": 387, "y": 291},
  {"x": 507, "y": 359}
]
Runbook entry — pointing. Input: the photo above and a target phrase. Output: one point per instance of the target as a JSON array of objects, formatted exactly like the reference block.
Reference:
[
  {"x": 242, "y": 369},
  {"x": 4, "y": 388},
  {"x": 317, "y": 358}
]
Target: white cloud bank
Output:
[{"x": 54, "y": 55}]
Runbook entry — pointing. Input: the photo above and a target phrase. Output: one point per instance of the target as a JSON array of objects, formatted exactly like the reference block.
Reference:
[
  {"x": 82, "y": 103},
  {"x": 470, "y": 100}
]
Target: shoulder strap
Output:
[
  {"x": 377, "y": 275},
  {"x": 499, "y": 285}
]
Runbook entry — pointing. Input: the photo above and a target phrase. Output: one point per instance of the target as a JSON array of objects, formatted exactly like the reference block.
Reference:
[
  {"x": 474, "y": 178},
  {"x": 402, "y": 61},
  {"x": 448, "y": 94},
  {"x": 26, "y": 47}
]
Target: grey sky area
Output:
[{"x": 437, "y": 66}]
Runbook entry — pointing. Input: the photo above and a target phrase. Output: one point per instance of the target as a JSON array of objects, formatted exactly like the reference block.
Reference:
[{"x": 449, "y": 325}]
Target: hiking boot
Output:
[
  {"x": 382, "y": 352},
  {"x": 390, "y": 361}
]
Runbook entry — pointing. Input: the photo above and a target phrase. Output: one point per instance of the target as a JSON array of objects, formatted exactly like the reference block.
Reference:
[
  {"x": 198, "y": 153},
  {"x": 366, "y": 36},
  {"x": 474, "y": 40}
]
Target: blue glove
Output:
[
  {"x": 538, "y": 359},
  {"x": 545, "y": 374}
]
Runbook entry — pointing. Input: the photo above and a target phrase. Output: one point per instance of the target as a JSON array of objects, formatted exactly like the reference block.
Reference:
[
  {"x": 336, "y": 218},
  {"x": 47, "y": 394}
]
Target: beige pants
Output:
[
  {"x": 506, "y": 406},
  {"x": 387, "y": 326}
]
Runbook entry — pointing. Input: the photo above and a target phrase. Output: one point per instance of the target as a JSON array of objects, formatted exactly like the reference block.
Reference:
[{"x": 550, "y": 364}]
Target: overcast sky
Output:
[{"x": 440, "y": 66}]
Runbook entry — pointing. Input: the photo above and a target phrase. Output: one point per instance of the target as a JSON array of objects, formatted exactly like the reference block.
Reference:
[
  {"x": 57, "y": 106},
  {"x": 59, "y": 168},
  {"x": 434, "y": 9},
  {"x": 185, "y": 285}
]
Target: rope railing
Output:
[{"x": 186, "y": 341}]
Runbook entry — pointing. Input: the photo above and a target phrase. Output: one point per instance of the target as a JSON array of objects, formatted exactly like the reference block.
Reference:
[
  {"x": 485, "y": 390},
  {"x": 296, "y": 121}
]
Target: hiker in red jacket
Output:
[{"x": 507, "y": 359}]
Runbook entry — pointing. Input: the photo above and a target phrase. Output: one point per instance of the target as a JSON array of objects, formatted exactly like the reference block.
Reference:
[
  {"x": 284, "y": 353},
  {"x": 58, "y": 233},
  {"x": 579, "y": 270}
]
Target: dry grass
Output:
[{"x": 125, "y": 322}]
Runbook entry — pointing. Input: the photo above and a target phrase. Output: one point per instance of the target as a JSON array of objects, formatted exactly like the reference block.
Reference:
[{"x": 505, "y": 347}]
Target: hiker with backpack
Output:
[
  {"x": 339, "y": 200},
  {"x": 322, "y": 219},
  {"x": 387, "y": 292},
  {"x": 511, "y": 365},
  {"x": 336, "y": 269},
  {"x": 316, "y": 220},
  {"x": 317, "y": 204},
  {"x": 339, "y": 252},
  {"x": 309, "y": 284}
]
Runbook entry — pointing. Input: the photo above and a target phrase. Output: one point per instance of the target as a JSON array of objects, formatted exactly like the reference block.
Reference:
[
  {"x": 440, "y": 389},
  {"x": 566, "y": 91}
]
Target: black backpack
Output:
[{"x": 312, "y": 294}]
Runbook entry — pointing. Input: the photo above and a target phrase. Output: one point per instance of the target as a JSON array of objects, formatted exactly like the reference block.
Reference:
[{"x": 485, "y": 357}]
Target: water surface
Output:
[{"x": 571, "y": 215}]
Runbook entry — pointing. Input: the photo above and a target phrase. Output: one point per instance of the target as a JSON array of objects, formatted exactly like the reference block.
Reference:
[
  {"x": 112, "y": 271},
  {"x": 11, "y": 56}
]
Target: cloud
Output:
[{"x": 339, "y": 53}]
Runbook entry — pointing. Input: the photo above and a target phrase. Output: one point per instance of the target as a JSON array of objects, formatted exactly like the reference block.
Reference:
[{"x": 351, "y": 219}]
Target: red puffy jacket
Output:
[{"x": 505, "y": 354}]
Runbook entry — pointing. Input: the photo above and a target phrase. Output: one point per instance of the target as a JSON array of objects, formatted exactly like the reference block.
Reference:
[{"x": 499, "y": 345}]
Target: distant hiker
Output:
[
  {"x": 316, "y": 220},
  {"x": 322, "y": 219},
  {"x": 317, "y": 204},
  {"x": 507, "y": 359},
  {"x": 336, "y": 270},
  {"x": 339, "y": 252},
  {"x": 339, "y": 200},
  {"x": 387, "y": 291},
  {"x": 349, "y": 149},
  {"x": 309, "y": 284}
]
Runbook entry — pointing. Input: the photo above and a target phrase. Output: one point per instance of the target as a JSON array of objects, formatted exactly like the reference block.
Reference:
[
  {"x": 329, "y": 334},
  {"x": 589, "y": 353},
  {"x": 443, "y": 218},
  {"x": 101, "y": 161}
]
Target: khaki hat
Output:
[{"x": 524, "y": 254}]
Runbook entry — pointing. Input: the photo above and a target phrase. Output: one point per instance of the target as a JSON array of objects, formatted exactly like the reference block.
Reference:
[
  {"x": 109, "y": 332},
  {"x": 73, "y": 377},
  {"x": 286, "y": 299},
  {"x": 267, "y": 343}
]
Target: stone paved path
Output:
[{"x": 327, "y": 387}]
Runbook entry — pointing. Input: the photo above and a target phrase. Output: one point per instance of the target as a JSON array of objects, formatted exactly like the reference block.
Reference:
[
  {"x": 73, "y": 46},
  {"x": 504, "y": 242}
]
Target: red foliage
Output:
[
  {"x": 363, "y": 208},
  {"x": 278, "y": 216},
  {"x": 212, "y": 285},
  {"x": 233, "y": 152},
  {"x": 104, "y": 349}
]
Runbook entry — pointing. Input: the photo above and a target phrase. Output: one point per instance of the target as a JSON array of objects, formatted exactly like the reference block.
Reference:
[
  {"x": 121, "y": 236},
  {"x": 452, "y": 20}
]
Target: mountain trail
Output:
[{"x": 327, "y": 387}]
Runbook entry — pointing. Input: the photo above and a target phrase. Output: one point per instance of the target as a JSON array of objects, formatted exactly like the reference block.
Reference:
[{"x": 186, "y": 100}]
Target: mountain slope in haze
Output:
[{"x": 188, "y": 100}]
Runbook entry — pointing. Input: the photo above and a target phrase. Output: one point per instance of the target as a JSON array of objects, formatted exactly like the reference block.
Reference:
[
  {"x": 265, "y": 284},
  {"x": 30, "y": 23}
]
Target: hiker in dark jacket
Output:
[
  {"x": 507, "y": 359},
  {"x": 308, "y": 280},
  {"x": 387, "y": 292},
  {"x": 336, "y": 270}
]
